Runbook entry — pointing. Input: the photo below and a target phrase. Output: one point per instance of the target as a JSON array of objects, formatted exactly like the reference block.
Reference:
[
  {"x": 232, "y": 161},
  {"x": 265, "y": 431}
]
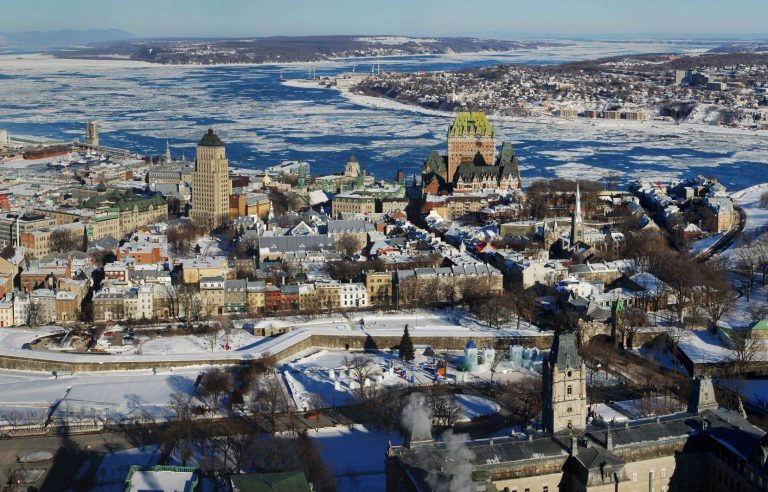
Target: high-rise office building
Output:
[{"x": 211, "y": 185}]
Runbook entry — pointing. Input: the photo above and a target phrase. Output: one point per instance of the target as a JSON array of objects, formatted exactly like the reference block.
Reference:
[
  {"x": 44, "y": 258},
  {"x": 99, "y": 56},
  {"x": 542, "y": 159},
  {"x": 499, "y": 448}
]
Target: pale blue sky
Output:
[{"x": 501, "y": 18}]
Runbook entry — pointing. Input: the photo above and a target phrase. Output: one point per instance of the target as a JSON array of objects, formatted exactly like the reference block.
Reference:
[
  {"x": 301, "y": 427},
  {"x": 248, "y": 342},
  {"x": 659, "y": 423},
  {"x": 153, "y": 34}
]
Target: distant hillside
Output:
[
  {"x": 287, "y": 49},
  {"x": 64, "y": 38}
]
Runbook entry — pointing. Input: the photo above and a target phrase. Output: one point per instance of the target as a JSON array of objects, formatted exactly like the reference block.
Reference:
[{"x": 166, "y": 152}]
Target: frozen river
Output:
[{"x": 263, "y": 122}]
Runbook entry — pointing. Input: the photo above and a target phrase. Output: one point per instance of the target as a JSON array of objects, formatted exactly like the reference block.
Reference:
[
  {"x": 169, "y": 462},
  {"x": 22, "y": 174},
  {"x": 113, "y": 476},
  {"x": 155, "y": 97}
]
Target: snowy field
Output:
[
  {"x": 324, "y": 373},
  {"x": 456, "y": 323},
  {"x": 356, "y": 456},
  {"x": 113, "y": 468},
  {"x": 118, "y": 395}
]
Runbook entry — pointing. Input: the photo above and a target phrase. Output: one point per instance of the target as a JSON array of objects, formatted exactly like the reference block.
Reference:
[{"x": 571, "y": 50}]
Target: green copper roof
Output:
[
  {"x": 434, "y": 163},
  {"x": 473, "y": 124},
  {"x": 210, "y": 139},
  {"x": 507, "y": 153},
  {"x": 352, "y": 158},
  {"x": 271, "y": 482},
  {"x": 123, "y": 201},
  {"x": 760, "y": 325}
]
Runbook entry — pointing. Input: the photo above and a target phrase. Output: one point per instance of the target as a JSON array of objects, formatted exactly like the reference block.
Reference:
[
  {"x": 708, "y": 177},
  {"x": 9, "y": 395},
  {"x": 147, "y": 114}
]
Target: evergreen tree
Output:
[{"x": 406, "y": 346}]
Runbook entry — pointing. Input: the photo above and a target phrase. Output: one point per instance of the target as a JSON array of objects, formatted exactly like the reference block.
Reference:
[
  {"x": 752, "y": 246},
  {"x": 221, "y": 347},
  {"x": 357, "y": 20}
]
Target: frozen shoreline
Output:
[{"x": 646, "y": 126}]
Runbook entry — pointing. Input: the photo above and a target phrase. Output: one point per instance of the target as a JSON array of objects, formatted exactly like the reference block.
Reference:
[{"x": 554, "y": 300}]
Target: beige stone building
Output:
[
  {"x": 211, "y": 185},
  {"x": 565, "y": 387},
  {"x": 705, "y": 448},
  {"x": 352, "y": 203},
  {"x": 470, "y": 134},
  {"x": 379, "y": 286}
]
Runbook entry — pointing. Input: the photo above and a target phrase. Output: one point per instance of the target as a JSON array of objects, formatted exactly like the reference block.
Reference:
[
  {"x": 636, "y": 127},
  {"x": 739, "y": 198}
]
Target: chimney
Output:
[
  {"x": 608, "y": 440},
  {"x": 574, "y": 446}
]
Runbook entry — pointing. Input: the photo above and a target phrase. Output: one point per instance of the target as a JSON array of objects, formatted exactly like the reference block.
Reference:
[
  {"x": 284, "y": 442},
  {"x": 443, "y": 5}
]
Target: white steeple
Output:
[
  {"x": 167, "y": 152},
  {"x": 577, "y": 229}
]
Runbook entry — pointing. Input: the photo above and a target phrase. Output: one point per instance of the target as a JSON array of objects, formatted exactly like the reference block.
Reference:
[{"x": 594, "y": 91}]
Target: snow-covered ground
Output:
[
  {"x": 705, "y": 243},
  {"x": 757, "y": 216},
  {"x": 753, "y": 390},
  {"x": 324, "y": 373},
  {"x": 117, "y": 395},
  {"x": 113, "y": 468},
  {"x": 447, "y": 323},
  {"x": 608, "y": 413},
  {"x": 703, "y": 346},
  {"x": 473, "y": 406},
  {"x": 356, "y": 456},
  {"x": 648, "y": 407}
]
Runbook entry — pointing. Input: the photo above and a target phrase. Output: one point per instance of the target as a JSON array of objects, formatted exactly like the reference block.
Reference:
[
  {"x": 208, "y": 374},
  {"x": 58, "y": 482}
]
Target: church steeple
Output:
[
  {"x": 167, "y": 151},
  {"x": 577, "y": 224}
]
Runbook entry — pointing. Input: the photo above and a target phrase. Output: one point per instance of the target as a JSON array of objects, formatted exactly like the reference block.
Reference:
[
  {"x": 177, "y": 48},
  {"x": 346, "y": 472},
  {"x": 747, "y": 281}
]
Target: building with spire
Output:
[
  {"x": 168, "y": 158},
  {"x": 577, "y": 222},
  {"x": 211, "y": 185}
]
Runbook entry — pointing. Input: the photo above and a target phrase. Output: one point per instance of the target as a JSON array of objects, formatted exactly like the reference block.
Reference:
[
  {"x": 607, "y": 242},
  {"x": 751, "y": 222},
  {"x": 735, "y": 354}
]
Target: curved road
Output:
[{"x": 724, "y": 242}]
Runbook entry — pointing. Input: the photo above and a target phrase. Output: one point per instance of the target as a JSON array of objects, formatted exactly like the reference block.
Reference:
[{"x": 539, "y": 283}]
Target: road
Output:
[
  {"x": 69, "y": 451},
  {"x": 725, "y": 241}
]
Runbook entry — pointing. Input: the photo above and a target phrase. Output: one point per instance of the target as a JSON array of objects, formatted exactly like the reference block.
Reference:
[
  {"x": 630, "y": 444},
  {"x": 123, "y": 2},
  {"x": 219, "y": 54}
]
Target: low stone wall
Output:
[{"x": 352, "y": 342}]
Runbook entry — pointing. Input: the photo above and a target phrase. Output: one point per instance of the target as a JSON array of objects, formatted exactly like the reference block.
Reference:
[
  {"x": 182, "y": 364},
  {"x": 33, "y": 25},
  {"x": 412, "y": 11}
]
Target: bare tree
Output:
[
  {"x": 213, "y": 336},
  {"x": 743, "y": 352},
  {"x": 524, "y": 398},
  {"x": 361, "y": 369},
  {"x": 748, "y": 265},
  {"x": 267, "y": 401},
  {"x": 63, "y": 241},
  {"x": 215, "y": 383},
  {"x": 446, "y": 411},
  {"x": 676, "y": 334},
  {"x": 347, "y": 245}
]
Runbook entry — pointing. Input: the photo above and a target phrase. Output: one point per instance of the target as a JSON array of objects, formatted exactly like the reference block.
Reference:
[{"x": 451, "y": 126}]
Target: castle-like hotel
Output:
[{"x": 471, "y": 164}]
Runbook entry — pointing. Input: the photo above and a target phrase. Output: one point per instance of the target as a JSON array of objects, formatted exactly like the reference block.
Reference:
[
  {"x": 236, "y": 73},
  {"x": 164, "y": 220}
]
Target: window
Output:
[
  {"x": 663, "y": 473},
  {"x": 634, "y": 477},
  {"x": 569, "y": 390},
  {"x": 570, "y": 373},
  {"x": 545, "y": 489}
]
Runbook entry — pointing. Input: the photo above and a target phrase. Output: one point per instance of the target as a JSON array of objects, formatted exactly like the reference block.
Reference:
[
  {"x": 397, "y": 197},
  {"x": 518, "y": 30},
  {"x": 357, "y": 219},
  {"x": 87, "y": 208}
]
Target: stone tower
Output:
[
  {"x": 352, "y": 168},
  {"x": 211, "y": 186},
  {"x": 702, "y": 395},
  {"x": 577, "y": 223},
  {"x": 469, "y": 135},
  {"x": 564, "y": 389}
]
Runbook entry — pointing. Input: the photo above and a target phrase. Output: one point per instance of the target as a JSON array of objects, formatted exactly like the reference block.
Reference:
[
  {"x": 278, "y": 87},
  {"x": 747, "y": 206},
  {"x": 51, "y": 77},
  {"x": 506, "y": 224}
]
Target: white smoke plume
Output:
[
  {"x": 417, "y": 418},
  {"x": 455, "y": 474}
]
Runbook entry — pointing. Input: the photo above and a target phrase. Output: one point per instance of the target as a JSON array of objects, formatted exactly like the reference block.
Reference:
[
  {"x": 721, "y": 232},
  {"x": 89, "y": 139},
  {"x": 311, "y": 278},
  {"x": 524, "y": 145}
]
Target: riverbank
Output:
[{"x": 650, "y": 126}]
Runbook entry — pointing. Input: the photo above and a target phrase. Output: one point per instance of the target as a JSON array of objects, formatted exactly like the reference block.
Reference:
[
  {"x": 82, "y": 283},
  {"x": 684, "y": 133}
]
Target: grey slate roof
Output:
[
  {"x": 564, "y": 352},
  {"x": 297, "y": 243}
]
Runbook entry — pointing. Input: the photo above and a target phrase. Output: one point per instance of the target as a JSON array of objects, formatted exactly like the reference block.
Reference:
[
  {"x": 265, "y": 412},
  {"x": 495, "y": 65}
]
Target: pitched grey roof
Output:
[
  {"x": 297, "y": 243},
  {"x": 348, "y": 226},
  {"x": 564, "y": 352}
]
